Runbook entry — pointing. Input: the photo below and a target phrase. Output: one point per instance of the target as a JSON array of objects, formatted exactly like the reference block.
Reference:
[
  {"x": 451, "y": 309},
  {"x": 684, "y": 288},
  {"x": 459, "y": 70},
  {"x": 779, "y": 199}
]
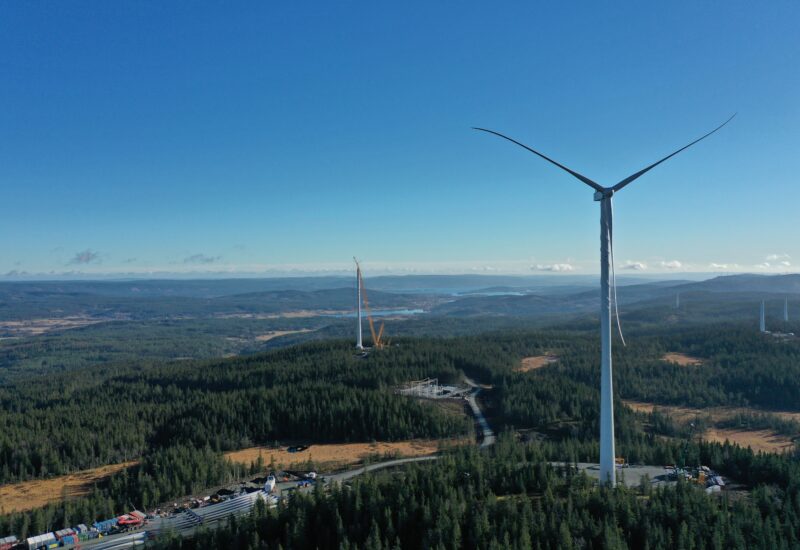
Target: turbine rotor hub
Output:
[{"x": 606, "y": 193}]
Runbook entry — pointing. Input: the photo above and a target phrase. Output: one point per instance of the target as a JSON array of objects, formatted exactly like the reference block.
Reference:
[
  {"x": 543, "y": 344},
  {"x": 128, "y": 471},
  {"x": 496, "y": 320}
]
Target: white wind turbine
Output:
[
  {"x": 359, "y": 343},
  {"x": 604, "y": 195}
]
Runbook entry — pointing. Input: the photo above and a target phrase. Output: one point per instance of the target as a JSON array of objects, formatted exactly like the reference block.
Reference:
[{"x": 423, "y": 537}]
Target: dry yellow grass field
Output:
[
  {"x": 758, "y": 440},
  {"x": 37, "y": 327},
  {"x": 339, "y": 455},
  {"x": 267, "y": 336},
  {"x": 682, "y": 359},
  {"x": 27, "y": 495},
  {"x": 536, "y": 362}
]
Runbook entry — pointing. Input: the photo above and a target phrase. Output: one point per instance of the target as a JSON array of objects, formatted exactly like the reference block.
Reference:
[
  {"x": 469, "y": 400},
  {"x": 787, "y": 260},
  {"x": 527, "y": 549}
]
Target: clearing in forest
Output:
[
  {"x": 267, "y": 336},
  {"x": 340, "y": 455},
  {"x": 536, "y": 362},
  {"x": 681, "y": 359},
  {"x": 38, "y": 327},
  {"x": 27, "y": 495},
  {"x": 758, "y": 440}
]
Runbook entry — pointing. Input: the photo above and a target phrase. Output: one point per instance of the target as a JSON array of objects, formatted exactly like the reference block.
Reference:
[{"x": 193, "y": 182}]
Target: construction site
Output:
[
  {"x": 429, "y": 388},
  {"x": 362, "y": 300}
]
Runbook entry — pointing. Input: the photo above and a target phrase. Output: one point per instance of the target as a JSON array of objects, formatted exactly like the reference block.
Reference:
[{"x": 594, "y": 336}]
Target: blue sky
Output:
[{"x": 153, "y": 137}]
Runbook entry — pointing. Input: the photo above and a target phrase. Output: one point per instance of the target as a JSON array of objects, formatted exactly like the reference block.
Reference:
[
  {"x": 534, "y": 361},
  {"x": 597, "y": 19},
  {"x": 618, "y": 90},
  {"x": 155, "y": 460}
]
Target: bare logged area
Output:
[
  {"x": 682, "y": 359},
  {"x": 758, "y": 440},
  {"x": 299, "y": 314},
  {"x": 536, "y": 362},
  {"x": 338, "y": 455},
  {"x": 27, "y": 495},
  {"x": 716, "y": 414},
  {"x": 37, "y": 327},
  {"x": 683, "y": 413},
  {"x": 267, "y": 336}
]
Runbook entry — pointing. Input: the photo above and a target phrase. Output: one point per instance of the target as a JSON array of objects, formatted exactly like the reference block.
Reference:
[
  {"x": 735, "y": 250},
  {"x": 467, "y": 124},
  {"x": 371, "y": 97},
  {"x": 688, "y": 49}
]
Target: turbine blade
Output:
[
  {"x": 640, "y": 173},
  {"x": 613, "y": 271},
  {"x": 584, "y": 179}
]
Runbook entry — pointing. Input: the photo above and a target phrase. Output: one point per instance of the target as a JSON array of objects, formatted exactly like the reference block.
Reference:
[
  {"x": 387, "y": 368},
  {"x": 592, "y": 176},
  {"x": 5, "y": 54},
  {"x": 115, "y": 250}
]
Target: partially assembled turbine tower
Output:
[
  {"x": 359, "y": 342},
  {"x": 762, "y": 321},
  {"x": 603, "y": 195}
]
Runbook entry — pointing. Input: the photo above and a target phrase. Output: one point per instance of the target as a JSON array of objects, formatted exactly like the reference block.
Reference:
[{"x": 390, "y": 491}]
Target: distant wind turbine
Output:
[
  {"x": 359, "y": 343},
  {"x": 607, "y": 282}
]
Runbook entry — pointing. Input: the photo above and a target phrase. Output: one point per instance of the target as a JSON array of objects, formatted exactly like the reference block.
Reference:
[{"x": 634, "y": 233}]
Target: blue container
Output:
[{"x": 106, "y": 525}]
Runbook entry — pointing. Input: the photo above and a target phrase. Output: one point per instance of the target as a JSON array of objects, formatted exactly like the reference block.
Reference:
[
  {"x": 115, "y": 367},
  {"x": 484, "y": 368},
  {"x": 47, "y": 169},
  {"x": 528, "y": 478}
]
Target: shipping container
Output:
[
  {"x": 61, "y": 533},
  {"x": 41, "y": 541},
  {"x": 8, "y": 542},
  {"x": 106, "y": 525}
]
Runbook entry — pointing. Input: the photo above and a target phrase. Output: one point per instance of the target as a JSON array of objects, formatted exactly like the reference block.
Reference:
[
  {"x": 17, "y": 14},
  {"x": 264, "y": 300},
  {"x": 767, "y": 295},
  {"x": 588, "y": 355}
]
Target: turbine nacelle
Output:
[{"x": 606, "y": 193}]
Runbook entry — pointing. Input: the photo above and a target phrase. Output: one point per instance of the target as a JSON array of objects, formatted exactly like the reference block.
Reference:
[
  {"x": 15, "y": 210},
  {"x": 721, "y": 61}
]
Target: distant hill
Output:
[
  {"x": 455, "y": 295},
  {"x": 744, "y": 289},
  {"x": 55, "y": 301},
  {"x": 338, "y": 299},
  {"x": 777, "y": 284}
]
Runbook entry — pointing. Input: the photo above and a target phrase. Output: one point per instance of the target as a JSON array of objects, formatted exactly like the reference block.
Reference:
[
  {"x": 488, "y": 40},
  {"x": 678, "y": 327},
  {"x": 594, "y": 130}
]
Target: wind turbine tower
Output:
[
  {"x": 762, "y": 325},
  {"x": 786, "y": 310},
  {"x": 603, "y": 195},
  {"x": 678, "y": 300},
  {"x": 359, "y": 343}
]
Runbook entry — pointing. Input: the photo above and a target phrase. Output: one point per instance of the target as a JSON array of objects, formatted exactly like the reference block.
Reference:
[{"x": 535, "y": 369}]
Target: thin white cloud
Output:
[
  {"x": 774, "y": 257},
  {"x": 714, "y": 265},
  {"x": 765, "y": 265},
  {"x": 636, "y": 266},
  {"x": 563, "y": 268},
  {"x": 672, "y": 264},
  {"x": 786, "y": 264}
]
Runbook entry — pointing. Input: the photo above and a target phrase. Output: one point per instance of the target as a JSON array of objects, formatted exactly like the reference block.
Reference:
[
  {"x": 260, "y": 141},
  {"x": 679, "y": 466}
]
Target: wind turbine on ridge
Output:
[{"x": 603, "y": 195}]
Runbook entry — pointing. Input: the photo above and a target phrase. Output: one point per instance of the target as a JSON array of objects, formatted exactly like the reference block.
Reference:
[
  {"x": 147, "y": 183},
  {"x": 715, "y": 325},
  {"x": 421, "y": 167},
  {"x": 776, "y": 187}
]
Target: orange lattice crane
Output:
[{"x": 377, "y": 341}]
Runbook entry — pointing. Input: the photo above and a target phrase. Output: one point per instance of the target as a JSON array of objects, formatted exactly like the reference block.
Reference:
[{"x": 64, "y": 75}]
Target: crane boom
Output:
[{"x": 376, "y": 338}]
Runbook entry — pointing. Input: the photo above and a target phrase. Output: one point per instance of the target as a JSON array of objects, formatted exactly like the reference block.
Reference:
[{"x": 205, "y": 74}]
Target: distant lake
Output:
[{"x": 492, "y": 293}]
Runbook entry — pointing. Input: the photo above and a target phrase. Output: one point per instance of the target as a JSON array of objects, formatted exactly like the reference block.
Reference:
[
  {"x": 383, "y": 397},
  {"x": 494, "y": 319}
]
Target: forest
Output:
[
  {"x": 510, "y": 497},
  {"x": 177, "y": 417}
]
